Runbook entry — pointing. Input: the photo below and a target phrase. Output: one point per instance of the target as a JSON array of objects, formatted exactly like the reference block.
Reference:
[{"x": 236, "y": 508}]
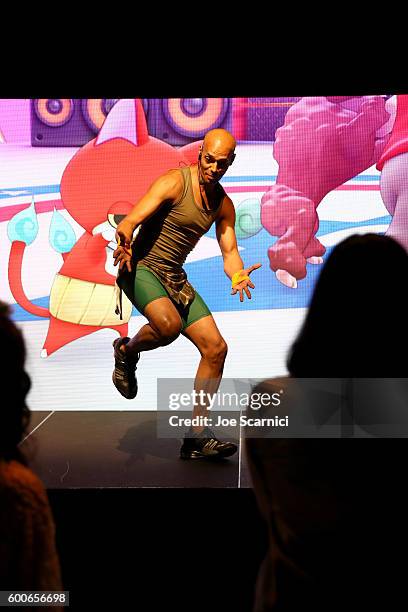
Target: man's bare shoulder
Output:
[
  {"x": 170, "y": 184},
  {"x": 175, "y": 174}
]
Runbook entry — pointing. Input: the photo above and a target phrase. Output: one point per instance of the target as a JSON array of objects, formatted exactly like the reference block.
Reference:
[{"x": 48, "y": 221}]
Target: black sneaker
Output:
[
  {"x": 123, "y": 375},
  {"x": 205, "y": 446}
]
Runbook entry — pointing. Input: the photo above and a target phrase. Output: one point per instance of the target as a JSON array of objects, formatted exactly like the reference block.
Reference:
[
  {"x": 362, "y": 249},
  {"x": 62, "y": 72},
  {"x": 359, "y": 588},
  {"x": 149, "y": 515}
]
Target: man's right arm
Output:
[{"x": 166, "y": 188}]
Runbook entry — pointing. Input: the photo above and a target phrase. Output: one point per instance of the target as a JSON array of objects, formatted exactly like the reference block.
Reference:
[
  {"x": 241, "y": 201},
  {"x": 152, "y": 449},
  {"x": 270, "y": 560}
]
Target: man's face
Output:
[{"x": 215, "y": 161}]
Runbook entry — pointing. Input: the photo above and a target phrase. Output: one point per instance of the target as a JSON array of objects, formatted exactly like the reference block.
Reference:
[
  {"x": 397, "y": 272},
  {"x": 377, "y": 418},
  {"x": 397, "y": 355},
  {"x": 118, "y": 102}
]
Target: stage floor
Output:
[{"x": 90, "y": 449}]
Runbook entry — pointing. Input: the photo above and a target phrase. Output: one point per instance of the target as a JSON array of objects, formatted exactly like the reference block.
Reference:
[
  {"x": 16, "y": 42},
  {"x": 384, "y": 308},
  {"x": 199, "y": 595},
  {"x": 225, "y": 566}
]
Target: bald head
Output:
[{"x": 220, "y": 139}]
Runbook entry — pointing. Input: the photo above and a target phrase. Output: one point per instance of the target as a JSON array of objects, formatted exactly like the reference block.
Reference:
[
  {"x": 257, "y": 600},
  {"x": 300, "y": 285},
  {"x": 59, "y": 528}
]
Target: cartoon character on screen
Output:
[
  {"x": 393, "y": 165},
  {"x": 324, "y": 142},
  {"x": 99, "y": 186}
]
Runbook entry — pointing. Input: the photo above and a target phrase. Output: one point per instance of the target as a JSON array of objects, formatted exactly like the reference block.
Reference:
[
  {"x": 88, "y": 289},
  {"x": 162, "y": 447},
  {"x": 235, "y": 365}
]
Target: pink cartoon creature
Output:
[
  {"x": 99, "y": 186},
  {"x": 324, "y": 142},
  {"x": 394, "y": 172}
]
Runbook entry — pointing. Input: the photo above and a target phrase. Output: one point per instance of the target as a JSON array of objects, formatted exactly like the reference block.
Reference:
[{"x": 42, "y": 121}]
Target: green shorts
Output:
[{"x": 143, "y": 287}]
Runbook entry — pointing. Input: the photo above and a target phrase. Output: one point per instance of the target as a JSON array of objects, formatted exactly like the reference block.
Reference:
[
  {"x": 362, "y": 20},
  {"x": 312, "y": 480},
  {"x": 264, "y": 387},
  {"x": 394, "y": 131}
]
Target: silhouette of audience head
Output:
[
  {"x": 356, "y": 320},
  {"x": 323, "y": 499},
  {"x": 15, "y": 384}
]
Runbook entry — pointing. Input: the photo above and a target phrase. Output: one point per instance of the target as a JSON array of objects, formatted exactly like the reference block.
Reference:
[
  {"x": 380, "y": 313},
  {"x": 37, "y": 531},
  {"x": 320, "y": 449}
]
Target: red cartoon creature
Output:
[{"x": 99, "y": 186}]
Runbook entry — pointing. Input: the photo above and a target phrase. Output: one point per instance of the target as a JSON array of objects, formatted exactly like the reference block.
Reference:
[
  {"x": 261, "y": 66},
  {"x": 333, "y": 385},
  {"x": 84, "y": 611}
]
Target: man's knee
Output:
[
  {"x": 168, "y": 330},
  {"x": 216, "y": 352}
]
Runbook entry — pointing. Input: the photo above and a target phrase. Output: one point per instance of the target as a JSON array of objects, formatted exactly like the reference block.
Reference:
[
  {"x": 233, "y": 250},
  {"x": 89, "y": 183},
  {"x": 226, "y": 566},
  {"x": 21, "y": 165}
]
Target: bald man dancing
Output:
[{"x": 180, "y": 206}]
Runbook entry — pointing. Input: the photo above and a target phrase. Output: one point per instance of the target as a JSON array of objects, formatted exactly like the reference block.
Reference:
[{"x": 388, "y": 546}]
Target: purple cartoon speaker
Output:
[
  {"x": 67, "y": 122},
  {"x": 179, "y": 121}
]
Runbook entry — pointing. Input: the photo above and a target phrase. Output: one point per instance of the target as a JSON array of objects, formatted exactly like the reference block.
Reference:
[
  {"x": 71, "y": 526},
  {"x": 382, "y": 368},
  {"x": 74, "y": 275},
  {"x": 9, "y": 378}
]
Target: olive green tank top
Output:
[{"x": 167, "y": 237}]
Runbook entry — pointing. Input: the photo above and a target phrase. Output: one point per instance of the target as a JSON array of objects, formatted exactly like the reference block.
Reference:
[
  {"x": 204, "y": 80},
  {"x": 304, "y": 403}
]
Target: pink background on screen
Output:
[{"x": 15, "y": 123}]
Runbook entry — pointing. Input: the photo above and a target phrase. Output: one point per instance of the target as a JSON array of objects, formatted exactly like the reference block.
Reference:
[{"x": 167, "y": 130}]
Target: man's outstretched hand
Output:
[{"x": 245, "y": 283}]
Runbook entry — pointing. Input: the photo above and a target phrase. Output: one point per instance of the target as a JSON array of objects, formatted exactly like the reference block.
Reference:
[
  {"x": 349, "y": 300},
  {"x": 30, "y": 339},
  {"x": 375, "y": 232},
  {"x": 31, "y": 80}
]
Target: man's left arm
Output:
[{"x": 233, "y": 264}]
